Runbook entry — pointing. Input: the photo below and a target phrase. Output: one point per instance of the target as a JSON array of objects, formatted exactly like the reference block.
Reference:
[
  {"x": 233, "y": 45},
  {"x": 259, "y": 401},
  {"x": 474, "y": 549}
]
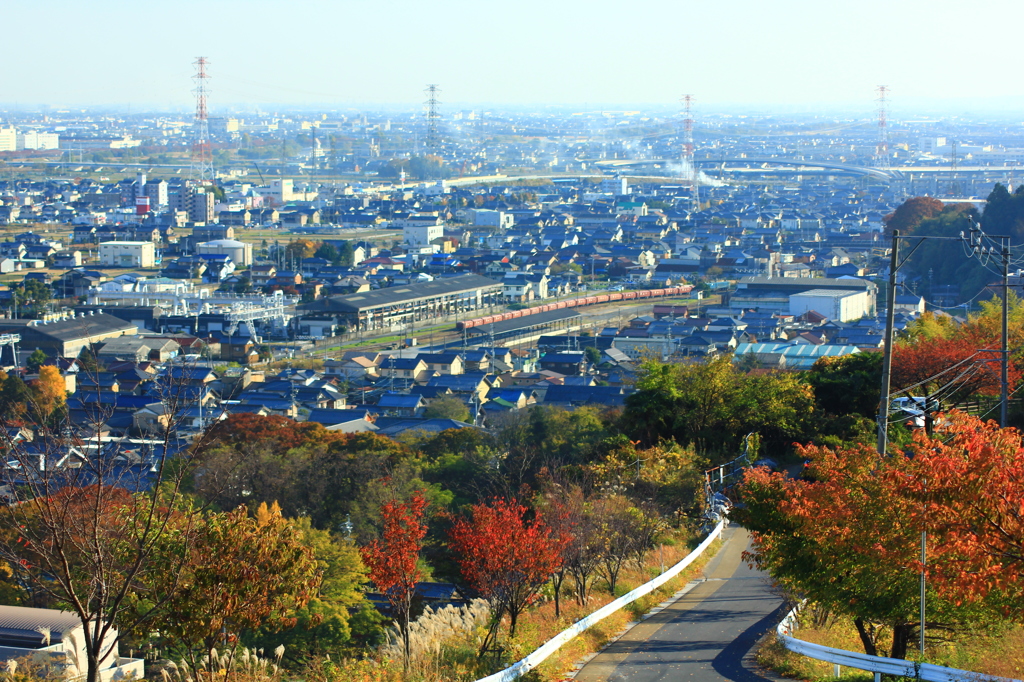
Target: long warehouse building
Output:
[{"x": 396, "y": 307}]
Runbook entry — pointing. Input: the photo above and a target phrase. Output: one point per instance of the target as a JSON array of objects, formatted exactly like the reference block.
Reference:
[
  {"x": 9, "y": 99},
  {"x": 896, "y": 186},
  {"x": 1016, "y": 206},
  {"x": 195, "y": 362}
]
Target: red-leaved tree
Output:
[
  {"x": 970, "y": 480},
  {"x": 849, "y": 538},
  {"x": 392, "y": 558},
  {"x": 506, "y": 557},
  {"x": 962, "y": 365}
]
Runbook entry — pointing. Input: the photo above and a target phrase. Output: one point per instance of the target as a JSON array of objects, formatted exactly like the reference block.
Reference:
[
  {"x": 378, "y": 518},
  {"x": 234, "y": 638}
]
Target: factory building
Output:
[{"x": 400, "y": 306}]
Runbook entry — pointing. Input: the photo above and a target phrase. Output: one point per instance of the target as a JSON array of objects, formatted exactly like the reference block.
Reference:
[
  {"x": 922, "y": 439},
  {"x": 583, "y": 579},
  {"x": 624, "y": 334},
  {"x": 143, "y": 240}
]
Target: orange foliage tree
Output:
[
  {"x": 970, "y": 483},
  {"x": 849, "y": 538},
  {"x": 49, "y": 393},
  {"x": 72, "y": 533},
  {"x": 959, "y": 362},
  {"x": 506, "y": 557}
]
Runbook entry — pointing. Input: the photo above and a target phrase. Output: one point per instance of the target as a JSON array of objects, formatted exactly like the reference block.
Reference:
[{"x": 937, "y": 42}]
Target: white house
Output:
[{"x": 128, "y": 254}]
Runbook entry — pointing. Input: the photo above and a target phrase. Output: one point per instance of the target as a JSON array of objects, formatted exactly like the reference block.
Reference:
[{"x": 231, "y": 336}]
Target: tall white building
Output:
[
  {"x": 616, "y": 186},
  {"x": 278, "y": 192},
  {"x": 8, "y": 139},
  {"x": 422, "y": 234},
  {"x": 33, "y": 139}
]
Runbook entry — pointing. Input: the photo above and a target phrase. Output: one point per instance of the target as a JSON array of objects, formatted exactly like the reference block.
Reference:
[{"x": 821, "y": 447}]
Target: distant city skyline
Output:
[{"x": 793, "y": 56}]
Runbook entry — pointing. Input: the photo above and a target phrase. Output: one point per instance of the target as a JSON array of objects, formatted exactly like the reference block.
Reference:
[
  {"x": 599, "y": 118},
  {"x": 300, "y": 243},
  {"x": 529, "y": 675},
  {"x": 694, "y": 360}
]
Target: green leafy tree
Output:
[
  {"x": 36, "y": 360},
  {"x": 448, "y": 407},
  {"x": 346, "y": 255},
  {"x": 847, "y": 383},
  {"x": 15, "y": 397},
  {"x": 327, "y": 252},
  {"x": 463, "y": 461},
  {"x": 713, "y": 404},
  {"x": 1004, "y": 212},
  {"x": 546, "y": 437},
  {"x": 32, "y": 296},
  {"x": 337, "y": 614}
]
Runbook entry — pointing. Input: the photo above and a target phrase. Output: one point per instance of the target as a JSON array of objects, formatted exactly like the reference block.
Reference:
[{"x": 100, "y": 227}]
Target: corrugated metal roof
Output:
[
  {"x": 19, "y": 622},
  {"x": 797, "y": 350}
]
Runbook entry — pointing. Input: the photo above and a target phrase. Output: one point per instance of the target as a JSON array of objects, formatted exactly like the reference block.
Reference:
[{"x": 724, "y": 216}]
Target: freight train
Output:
[{"x": 579, "y": 302}]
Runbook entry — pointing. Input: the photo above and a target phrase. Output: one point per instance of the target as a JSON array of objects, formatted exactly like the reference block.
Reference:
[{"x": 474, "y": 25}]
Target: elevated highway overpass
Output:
[
  {"x": 761, "y": 165},
  {"x": 783, "y": 166}
]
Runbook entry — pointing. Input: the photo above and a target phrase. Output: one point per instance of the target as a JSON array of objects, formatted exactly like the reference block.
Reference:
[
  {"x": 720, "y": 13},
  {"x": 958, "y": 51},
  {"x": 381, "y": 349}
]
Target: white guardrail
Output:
[
  {"x": 552, "y": 645},
  {"x": 876, "y": 664}
]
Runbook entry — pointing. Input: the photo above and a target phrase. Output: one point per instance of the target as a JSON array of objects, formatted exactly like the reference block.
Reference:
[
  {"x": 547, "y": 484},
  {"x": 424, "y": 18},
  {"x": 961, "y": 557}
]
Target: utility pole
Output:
[
  {"x": 883, "y": 405},
  {"x": 1004, "y": 347},
  {"x": 973, "y": 241}
]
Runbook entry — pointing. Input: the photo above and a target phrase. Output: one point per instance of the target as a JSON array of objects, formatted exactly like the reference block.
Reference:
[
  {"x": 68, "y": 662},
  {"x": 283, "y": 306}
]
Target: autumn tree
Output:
[
  {"x": 569, "y": 513},
  {"x": 563, "y": 511},
  {"x": 241, "y": 572},
  {"x": 910, "y": 213},
  {"x": 75, "y": 537},
  {"x": 49, "y": 393},
  {"x": 308, "y": 470},
  {"x": 955, "y": 365},
  {"x": 336, "y": 615},
  {"x": 930, "y": 325},
  {"x": 962, "y": 360},
  {"x": 392, "y": 560},
  {"x": 668, "y": 475},
  {"x": 968, "y": 481},
  {"x": 849, "y": 539},
  {"x": 625, "y": 531},
  {"x": 297, "y": 249},
  {"x": 506, "y": 557}
]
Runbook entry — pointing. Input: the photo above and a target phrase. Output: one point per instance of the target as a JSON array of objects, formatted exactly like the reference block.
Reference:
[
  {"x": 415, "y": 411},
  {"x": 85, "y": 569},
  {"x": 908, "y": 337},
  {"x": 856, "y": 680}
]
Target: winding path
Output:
[{"x": 705, "y": 636}]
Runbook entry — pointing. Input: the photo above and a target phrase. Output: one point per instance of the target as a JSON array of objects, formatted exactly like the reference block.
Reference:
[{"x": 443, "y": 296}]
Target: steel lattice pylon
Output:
[
  {"x": 201, "y": 171},
  {"x": 433, "y": 142}
]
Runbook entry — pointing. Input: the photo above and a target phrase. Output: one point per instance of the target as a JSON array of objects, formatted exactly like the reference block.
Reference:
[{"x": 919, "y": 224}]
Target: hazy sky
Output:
[{"x": 802, "y": 54}]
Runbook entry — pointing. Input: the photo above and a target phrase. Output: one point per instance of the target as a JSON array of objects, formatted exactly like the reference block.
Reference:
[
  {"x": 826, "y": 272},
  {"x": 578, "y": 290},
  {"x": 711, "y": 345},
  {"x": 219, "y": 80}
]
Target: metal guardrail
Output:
[
  {"x": 527, "y": 664},
  {"x": 878, "y": 665}
]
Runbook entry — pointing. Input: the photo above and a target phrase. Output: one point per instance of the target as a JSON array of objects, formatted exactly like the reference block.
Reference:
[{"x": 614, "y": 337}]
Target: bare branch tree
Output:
[{"x": 85, "y": 510}]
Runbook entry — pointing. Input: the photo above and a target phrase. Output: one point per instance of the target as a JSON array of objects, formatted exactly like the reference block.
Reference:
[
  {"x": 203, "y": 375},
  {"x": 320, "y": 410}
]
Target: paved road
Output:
[{"x": 704, "y": 636}]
